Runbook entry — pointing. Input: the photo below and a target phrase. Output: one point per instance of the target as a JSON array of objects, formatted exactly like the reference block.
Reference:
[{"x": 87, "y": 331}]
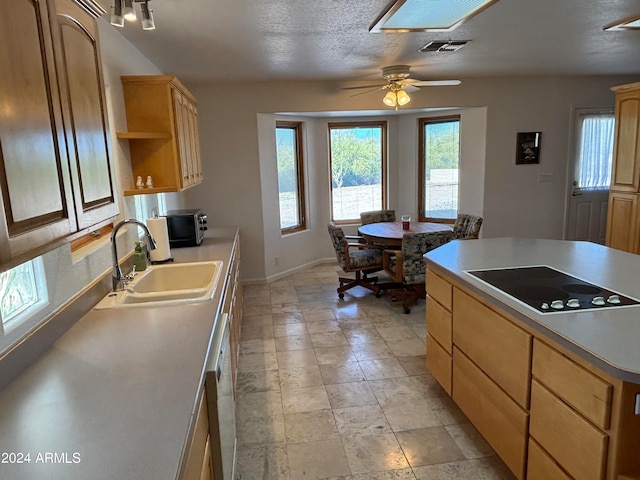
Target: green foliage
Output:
[
  {"x": 442, "y": 145},
  {"x": 356, "y": 156}
]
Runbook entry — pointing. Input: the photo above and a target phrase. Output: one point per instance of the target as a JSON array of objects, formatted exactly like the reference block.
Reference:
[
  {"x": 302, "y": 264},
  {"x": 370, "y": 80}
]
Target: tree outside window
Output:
[
  {"x": 358, "y": 163},
  {"x": 439, "y": 157},
  {"x": 290, "y": 176}
]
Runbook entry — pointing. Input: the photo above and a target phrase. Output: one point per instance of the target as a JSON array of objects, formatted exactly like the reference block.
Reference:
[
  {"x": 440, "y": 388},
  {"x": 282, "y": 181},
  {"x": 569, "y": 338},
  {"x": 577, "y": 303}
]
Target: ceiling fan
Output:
[{"x": 399, "y": 83}]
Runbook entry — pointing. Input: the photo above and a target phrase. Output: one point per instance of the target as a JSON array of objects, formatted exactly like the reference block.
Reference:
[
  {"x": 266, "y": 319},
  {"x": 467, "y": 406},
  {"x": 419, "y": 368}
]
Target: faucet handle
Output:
[{"x": 131, "y": 276}]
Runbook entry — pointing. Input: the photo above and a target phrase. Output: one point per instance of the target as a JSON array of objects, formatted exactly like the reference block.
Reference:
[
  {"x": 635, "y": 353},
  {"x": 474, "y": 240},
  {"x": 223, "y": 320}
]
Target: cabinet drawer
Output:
[
  {"x": 439, "y": 289},
  {"x": 574, "y": 443},
  {"x": 500, "y": 348},
  {"x": 197, "y": 451},
  {"x": 540, "y": 466},
  {"x": 439, "y": 323},
  {"x": 582, "y": 390},
  {"x": 439, "y": 363},
  {"x": 500, "y": 420}
]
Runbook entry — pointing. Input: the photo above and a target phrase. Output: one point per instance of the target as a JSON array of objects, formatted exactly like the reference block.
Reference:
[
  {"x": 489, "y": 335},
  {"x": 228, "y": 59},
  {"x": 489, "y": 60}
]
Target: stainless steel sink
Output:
[{"x": 167, "y": 285}]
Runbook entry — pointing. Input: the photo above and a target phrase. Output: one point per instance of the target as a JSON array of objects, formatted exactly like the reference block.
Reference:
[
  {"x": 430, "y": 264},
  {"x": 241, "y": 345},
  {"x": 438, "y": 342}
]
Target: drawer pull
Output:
[{"x": 637, "y": 409}]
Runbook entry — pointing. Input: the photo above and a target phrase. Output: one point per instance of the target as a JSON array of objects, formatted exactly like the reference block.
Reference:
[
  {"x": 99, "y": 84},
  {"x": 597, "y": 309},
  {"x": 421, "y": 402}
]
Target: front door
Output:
[{"x": 586, "y": 217}]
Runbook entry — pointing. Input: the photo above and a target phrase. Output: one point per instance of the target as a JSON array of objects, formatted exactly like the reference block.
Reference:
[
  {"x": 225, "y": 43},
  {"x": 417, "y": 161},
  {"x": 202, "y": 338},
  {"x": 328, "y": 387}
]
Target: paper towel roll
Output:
[{"x": 160, "y": 233}]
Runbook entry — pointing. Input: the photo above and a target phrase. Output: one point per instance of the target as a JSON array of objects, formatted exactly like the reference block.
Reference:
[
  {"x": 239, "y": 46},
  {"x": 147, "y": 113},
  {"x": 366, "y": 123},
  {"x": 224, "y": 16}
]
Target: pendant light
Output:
[
  {"x": 117, "y": 20},
  {"x": 147, "y": 17},
  {"x": 124, "y": 10}
]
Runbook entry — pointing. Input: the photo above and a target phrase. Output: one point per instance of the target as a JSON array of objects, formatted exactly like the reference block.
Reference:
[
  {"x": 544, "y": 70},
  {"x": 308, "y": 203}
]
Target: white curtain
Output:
[{"x": 595, "y": 153}]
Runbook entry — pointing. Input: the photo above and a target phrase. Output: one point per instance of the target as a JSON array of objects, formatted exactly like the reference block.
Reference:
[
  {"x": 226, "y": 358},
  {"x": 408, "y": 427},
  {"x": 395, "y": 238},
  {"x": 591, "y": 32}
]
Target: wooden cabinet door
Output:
[
  {"x": 622, "y": 222},
  {"x": 34, "y": 177},
  {"x": 194, "y": 139},
  {"x": 181, "y": 112},
  {"x": 625, "y": 175},
  {"x": 82, "y": 89}
]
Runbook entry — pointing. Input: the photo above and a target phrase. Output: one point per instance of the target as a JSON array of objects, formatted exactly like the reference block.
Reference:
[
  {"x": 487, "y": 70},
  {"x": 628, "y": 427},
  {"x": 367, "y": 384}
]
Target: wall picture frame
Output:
[{"x": 528, "y": 148}]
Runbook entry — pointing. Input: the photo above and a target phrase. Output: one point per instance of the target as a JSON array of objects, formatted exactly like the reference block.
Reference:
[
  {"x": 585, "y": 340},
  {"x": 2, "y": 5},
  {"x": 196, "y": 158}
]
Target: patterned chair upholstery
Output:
[
  {"x": 376, "y": 216},
  {"x": 406, "y": 266},
  {"x": 467, "y": 226},
  {"x": 357, "y": 258}
]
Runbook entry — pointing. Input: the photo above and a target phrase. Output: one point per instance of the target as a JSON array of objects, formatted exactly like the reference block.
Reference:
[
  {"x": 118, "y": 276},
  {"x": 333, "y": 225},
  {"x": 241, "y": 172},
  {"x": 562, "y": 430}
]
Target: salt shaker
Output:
[
  {"x": 139, "y": 182},
  {"x": 149, "y": 182}
]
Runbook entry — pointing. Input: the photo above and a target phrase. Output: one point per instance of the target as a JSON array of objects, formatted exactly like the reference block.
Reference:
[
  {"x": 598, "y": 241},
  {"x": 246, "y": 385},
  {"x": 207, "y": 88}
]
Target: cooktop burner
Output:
[{"x": 548, "y": 290}]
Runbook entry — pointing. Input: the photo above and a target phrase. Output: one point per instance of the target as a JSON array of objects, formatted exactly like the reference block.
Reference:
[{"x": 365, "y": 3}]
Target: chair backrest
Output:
[
  {"x": 467, "y": 226},
  {"x": 414, "y": 246},
  {"x": 377, "y": 216},
  {"x": 339, "y": 243}
]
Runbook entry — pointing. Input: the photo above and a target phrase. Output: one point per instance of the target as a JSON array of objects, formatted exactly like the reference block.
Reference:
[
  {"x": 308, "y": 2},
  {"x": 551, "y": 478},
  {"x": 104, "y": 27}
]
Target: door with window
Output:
[{"x": 591, "y": 175}]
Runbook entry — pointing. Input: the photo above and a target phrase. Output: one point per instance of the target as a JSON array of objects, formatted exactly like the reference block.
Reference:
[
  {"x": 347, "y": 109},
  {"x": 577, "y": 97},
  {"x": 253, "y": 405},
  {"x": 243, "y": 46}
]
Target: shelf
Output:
[
  {"x": 147, "y": 191},
  {"x": 143, "y": 135}
]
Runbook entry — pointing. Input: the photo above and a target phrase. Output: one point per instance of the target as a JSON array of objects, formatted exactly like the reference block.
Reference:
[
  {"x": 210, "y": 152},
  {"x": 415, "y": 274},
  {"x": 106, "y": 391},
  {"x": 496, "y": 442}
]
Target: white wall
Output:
[{"x": 513, "y": 202}]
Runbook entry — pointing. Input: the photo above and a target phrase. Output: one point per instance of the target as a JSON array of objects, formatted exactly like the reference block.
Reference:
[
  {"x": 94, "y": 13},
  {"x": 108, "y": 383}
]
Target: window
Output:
[
  {"x": 358, "y": 153},
  {"x": 23, "y": 292},
  {"x": 439, "y": 154},
  {"x": 595, "y": 150},
  {"x": 290, "y": 176}
]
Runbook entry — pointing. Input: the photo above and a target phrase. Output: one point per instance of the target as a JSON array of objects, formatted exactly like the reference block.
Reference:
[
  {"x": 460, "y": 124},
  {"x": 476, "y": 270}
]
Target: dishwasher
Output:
[{"x": 221, "y": 403}]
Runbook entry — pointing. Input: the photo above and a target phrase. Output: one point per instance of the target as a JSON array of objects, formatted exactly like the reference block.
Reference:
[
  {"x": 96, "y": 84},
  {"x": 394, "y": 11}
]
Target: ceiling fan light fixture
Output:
[
  {"x": 402, "y": 97},
  {"x": 390, "y": 99}
]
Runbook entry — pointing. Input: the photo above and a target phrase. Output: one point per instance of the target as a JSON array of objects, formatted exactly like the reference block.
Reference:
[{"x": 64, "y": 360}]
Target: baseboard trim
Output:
[{"x": 286, "y": 273}]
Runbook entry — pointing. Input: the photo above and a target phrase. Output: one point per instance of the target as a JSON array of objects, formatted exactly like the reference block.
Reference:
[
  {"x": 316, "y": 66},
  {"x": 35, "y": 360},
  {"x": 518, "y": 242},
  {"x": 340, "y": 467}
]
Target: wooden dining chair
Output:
[
  {"x": 377, "y": 216},
  {"x": 406, "y": 266},
  {"x": 467, "y": 226},
  {"x": 355, "y": 258}
]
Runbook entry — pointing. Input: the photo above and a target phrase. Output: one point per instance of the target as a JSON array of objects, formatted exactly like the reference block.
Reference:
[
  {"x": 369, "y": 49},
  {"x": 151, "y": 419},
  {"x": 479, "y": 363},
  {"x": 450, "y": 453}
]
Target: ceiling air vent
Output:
[{"x": 450, "y": 46}]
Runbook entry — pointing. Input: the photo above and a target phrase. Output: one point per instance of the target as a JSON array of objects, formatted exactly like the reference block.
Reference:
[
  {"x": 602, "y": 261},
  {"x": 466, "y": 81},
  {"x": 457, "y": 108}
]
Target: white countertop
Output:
[
  {"x": 609, "y": 338},
  {"x": 114, "y": 398}
]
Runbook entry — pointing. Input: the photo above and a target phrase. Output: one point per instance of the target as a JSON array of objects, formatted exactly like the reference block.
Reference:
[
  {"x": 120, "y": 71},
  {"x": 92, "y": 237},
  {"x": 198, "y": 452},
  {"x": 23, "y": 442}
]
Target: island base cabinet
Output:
[
  {"x": 540, "y": 466},
  {"x": 500, "y": 420},
  {"x": 575, "y": 444},
  {"x": 439, "y": 364},
  {"x": 198, "y": 465}
]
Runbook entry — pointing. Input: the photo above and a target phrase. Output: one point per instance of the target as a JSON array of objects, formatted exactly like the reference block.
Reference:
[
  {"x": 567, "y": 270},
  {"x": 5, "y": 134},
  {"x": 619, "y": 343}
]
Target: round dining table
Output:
[{"x": 390, "y": 233}]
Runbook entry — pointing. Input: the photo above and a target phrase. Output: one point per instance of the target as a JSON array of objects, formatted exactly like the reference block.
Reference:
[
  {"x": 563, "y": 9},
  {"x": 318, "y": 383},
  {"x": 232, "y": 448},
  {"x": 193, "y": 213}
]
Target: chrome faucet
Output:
[{"x": 117, "y": 277}]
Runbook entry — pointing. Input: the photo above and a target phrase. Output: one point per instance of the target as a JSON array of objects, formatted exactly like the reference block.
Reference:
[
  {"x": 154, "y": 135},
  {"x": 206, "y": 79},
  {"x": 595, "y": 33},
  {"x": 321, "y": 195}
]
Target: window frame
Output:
[
  {"x": 383, "y": 124},
  {"x": 300, "y": 184},
  {"x": 422, "y": 122}
]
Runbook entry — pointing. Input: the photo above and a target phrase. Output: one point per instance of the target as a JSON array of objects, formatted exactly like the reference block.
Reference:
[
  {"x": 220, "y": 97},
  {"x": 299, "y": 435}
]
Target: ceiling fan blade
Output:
[
  {"x": 363, "y": 86},
  {"x": 369, "y": 91},
  {"x": 435, "y": 83},
  {"x": 410, "y": 88}
]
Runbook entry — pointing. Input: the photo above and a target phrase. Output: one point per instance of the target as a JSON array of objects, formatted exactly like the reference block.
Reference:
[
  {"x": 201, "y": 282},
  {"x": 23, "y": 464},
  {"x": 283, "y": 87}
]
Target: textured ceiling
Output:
[{"x": 202, "y": 40}]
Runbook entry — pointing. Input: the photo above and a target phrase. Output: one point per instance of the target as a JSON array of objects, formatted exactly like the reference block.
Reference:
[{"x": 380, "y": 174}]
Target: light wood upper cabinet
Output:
[
  {"x": 84, "y": 108},
  {"x": 162, "y": 119},
  {"x": 55, "y": 175}
]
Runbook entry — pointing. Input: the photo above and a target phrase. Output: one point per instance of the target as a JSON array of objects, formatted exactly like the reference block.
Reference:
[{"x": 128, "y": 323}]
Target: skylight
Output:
[
  {"x": 626, "y": 24},
  {"x": 428, "y": 15}
]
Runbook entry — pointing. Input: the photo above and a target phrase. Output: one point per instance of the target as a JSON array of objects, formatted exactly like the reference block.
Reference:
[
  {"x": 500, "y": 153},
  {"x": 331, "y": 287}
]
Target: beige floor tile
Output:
[
  {"x": 414, "y": 365},
  {"x": 395, "y": 334},
  {"x": 257, "y": 320},
  {"x": 323, "y": 326},
  {"x": 290, "y": 329},
  {"x": 398, "y": 391},
  {"x": 429, "y": 446},
  {"x": 447, "y": 411},
  {"x": 261, "y": 430},
  {"x": 284, "y": 308},
  {"x": 289, "y": 317},
  {"x": 330, "y": 355},
  {"x": 407, "y": 348},
  {"x": 411, "y": 416},
  {"x": 469, "y": 441},
  {"x": 371, "y": 351},
  {"x": 257, "y": 345},
  {"x": 261, "y": 462},
  {"x": 319, "y": 315},
  {"x": 296, "y": 377},
  {"x": 297, "y": 358},
  {"x": 480, "y": 469},
  {"x": 359, "y": 335},
  {"x": 361, "y": 420},
  {"x": 257, "y": 361},
  {"x": 382, "y": 368},
  {"x": 328, "y": 339},
  {"x": 305, "y": 399},
  {"x": 350, "y": 395},
  {"x": 403, "y": 474},
  {"x": 428, "y": 386},
  {"x": 311, "y": 426},
  {"x": 374, "y": 453},
  {"x": 316, "y": 460},
  {"x": 341, "y": 373},
  {"x": 255, "y": 332},
  {"x": 256, "y": 309},
  {"x": 294, "y": 342},
  {"x": 258, "y": 404},
  {"x": 257, "y": 381}
]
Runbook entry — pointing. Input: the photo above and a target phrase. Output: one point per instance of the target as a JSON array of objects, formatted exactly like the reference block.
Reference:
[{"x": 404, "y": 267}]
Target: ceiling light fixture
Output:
[
  {"x": 124, "y": 10},
  {"x": 396, "y": 97}
]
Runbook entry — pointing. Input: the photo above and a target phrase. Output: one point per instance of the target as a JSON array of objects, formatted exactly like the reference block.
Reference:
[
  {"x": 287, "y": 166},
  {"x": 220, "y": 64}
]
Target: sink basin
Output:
[{"x": 167, "y": 285}]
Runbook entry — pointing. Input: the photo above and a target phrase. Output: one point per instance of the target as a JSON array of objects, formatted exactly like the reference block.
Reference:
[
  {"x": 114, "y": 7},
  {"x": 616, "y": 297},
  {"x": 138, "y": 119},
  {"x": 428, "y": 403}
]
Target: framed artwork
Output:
[{"x": 528, "y": 148}]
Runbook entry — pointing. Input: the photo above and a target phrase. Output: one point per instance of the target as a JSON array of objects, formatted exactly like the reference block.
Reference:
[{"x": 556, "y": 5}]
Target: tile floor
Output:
[{"x": 337, "y": 389}]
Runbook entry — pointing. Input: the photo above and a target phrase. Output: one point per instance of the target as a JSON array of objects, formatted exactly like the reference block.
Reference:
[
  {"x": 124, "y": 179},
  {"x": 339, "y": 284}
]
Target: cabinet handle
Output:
[{"x": 636, "y": 410}]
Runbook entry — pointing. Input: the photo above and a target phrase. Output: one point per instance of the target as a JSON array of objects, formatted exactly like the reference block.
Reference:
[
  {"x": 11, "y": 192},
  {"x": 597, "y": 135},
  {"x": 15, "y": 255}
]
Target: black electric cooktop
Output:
[{"x": 548, "y": 290}]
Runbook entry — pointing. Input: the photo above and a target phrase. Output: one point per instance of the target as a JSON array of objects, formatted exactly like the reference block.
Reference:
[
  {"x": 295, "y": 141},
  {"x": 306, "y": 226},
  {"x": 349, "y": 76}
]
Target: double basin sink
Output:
[{"x": 167, "y": 284}]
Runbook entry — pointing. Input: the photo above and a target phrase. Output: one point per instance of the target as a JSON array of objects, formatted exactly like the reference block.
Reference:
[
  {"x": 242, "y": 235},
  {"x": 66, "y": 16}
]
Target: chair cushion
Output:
[{"x": 365, "y": 258}]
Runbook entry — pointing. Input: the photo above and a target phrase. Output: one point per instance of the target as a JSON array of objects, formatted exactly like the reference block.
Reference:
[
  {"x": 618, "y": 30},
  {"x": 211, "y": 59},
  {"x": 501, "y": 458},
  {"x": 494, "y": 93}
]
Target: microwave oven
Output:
[{"x": 186, "y": 227}]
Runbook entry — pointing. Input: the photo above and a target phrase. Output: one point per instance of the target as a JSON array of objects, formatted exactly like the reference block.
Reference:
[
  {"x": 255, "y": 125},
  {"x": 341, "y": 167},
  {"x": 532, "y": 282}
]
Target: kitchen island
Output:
[
  {"x": 116, "y": 397},
  {"x": 554, "y": 392}
]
